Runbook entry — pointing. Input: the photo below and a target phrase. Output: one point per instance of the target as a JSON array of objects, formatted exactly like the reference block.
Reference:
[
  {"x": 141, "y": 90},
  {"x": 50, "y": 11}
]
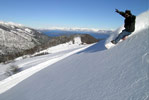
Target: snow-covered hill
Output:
[
  {"x": 16, "y": 37},
  {"x": 95, "y": 73}
]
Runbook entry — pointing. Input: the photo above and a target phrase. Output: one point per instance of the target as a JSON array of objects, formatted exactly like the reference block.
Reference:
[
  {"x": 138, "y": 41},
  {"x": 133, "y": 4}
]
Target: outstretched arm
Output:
[{"x": 120, "y": 12}]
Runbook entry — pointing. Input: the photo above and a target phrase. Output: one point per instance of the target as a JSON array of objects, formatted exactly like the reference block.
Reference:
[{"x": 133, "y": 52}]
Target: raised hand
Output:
[{"x": 116, "y": 10}]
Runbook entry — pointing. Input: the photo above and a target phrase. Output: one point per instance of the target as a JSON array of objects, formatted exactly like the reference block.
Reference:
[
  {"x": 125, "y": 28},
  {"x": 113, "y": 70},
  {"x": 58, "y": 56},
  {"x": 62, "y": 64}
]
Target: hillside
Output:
[
  {"x": 19, "y": 36},
  {"x": 95, "y": 73},
  {"x": 16, "y": 38}
]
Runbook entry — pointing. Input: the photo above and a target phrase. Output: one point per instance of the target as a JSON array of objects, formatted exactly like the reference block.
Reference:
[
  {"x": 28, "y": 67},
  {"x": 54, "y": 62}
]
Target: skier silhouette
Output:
[{"x": 129, "y": 25}]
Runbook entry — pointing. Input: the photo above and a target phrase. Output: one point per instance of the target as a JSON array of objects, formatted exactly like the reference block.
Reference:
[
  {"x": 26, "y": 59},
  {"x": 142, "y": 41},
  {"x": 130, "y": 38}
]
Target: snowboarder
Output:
[{"x": 129, "y": 25}]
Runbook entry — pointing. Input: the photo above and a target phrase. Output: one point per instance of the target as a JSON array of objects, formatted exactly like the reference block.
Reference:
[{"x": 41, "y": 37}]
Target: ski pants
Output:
[{"x": 122, "y": 35}]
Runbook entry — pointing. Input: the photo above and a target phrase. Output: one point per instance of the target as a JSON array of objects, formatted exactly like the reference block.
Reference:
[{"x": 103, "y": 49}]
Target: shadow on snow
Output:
[{"x": 99, "y": 46}]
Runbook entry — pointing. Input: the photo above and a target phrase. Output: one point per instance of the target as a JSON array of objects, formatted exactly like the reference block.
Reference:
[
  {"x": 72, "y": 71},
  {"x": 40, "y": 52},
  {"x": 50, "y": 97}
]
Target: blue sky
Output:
[{"x": 69, "y": 13}]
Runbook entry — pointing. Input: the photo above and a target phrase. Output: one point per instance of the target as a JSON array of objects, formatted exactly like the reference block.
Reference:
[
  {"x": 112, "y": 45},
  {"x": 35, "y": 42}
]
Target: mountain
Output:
[
  {"x": 91, "y": 73},
  {"x": 84, "y": 39},
  {"x": 16, "y": 38},
  {"x": 56, "y": 31}
]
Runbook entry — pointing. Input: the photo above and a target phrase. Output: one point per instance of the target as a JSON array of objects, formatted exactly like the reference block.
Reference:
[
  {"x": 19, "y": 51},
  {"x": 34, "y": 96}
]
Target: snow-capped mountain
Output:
[
  {"x": 58, "y": 31},
  {"x": 76, "y": 29},
  {"x": 17, "y": 38},
  {"x": 90, "y": 72}
]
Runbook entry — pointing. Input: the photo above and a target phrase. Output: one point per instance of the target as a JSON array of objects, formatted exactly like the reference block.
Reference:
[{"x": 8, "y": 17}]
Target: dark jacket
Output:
[{"x": 129, "y": 22}]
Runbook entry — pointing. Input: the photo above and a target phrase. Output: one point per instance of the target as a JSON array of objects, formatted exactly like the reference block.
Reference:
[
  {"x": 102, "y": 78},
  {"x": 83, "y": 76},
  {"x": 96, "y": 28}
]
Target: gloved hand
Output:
[{"x": 116, "y": 10}]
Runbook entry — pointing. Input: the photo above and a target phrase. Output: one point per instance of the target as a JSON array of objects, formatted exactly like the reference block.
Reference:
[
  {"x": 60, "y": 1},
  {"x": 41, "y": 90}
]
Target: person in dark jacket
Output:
[{"x": 129, "y": 25}]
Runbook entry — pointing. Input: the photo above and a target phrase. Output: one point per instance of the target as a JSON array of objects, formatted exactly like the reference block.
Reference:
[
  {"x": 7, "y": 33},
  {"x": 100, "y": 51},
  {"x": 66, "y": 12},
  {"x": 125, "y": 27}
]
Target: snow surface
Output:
[
  {"x": 65, "y": 46},
  {"x": 55, "y": 52},
  {"x": 94, "y": 73}
]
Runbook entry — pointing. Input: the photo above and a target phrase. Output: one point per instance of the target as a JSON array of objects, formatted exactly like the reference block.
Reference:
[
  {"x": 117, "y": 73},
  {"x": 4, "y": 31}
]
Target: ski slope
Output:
[
  {"x": 33, "y": 64},
  {"x": 94, "y": 73}
]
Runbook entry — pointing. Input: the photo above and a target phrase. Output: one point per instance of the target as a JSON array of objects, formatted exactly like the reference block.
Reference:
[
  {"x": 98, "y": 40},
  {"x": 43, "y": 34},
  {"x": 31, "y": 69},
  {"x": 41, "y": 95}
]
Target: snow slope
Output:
[
  {"x": 33, "y": 63},
  {"x": 120, "y": 73}
]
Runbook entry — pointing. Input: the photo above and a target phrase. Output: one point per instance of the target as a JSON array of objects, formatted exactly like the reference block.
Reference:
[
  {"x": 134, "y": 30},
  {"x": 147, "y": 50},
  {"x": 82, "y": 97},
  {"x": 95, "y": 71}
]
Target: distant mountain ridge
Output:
[{"x": 96, "y": 33}]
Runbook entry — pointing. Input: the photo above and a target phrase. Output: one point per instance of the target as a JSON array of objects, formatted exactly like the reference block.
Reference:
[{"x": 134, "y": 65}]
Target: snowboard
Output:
[{"x": 111, "y": 45}]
